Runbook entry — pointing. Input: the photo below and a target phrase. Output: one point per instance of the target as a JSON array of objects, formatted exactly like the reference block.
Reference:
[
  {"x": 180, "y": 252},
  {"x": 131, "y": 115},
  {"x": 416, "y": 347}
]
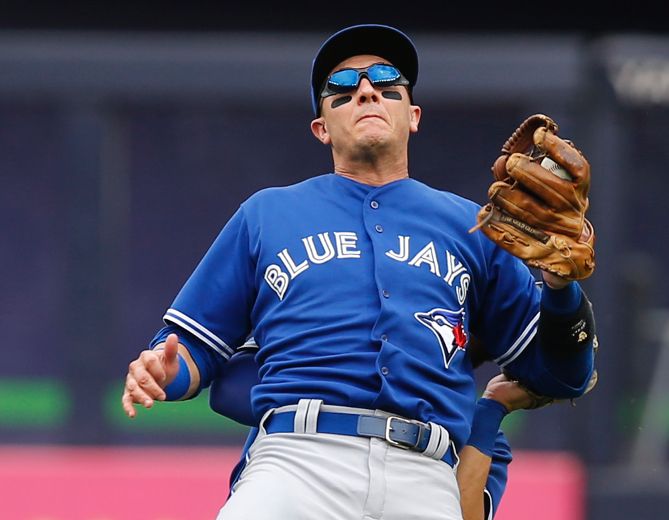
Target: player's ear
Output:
[
  {"x": 415, "y": 112},
  {"x": 320, "y": 131}
]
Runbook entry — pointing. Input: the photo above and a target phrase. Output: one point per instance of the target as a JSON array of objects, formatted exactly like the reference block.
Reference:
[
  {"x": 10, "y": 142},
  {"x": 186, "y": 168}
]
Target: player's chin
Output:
[
  {"x": 371, "y": 146},
  {"x": 376, "y": 137},
  {"x": 373, "y": 127}
]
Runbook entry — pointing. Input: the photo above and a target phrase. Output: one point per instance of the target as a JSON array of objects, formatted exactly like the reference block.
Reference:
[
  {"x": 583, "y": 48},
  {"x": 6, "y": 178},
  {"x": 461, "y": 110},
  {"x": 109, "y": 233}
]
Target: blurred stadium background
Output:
[{"x": 128, "y": 137}]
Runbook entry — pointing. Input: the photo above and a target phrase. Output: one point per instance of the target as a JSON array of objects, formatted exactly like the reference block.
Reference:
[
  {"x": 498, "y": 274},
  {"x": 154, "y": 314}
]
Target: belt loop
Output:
[
  {"x": 261, "y": 424},
  {"x": 299, "y": 425},
  {"x": 311, "y": 420},
  {"x": 455, "y": 456},
  {"x": 439, "y": 442}
]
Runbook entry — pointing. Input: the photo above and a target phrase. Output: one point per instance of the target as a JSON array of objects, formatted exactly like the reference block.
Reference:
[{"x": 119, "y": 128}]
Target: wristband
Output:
[
  {"x": 179, "y": 386},
  {"x": 564, "y": 334},
  {"x": 561, "y": 301},
  {"x": 485, "y": 425}
]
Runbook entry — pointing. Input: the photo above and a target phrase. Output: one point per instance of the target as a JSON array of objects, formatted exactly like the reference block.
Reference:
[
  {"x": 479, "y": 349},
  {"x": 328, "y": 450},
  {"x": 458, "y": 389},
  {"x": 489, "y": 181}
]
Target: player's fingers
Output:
[
  {"x": 510, "y": 393},
  {"x": 149, "y": 367},
  {"x": 499, "y": 378},
  {"x": 140, "y": 394},
  {"x": 148, "y": 383},
  {"x": 127, "y": 403},
  {"x": 171, "y": 348}
]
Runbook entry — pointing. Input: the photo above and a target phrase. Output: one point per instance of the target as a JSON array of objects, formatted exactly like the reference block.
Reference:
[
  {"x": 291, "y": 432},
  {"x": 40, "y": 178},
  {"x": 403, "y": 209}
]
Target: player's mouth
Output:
[{"x": 370, "y": 116}]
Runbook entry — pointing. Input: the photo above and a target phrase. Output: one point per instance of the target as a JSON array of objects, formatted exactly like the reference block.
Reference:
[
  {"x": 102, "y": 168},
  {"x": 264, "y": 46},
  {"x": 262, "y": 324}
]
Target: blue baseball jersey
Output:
[{"x": 366, "y": 296}]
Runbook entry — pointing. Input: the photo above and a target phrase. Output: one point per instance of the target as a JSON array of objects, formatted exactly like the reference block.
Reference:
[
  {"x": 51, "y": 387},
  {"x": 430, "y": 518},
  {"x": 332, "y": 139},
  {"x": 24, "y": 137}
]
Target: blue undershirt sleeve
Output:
[
  {"x": 498, "y": 475},
  {"x": 561, "y": 301}
]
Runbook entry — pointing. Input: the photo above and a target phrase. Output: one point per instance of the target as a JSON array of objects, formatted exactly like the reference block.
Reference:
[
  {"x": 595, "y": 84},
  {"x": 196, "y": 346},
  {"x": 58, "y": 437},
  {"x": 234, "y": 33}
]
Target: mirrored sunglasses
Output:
[{"x": 378, "y": 74}]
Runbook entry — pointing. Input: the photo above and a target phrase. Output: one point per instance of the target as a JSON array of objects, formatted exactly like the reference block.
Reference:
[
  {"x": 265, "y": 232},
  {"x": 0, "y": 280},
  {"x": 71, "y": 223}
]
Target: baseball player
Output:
[
  {"x": 482, "y": 470},
  {"x": 363, "y": 288}
]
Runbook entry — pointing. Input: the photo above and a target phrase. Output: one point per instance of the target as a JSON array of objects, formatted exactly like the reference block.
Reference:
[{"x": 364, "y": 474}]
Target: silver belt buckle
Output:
[{"x": 398, "y": 444}]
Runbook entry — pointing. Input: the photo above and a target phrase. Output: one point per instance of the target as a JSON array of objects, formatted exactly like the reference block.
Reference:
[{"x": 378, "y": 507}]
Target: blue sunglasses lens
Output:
[
  {"x": 379, "y": 74},
  {"x": 348, "y": 79},
  {"x": 344, "y": 79}
]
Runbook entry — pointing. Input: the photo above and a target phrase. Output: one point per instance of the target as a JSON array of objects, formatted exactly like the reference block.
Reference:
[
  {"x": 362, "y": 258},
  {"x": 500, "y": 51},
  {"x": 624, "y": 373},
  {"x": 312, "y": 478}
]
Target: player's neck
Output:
[{"x": 375, "y": 172}]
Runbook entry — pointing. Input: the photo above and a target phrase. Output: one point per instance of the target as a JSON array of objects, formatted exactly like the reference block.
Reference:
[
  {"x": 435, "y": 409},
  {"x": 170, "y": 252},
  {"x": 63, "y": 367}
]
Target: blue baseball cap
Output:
[{"x": 379, "y": 40}]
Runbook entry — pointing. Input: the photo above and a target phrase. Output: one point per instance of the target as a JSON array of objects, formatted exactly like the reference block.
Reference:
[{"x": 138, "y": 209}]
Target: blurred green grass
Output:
[
  {"x": 44, "y": 403},
  {"x": 39, "y": 403},
  {"x": 190, "y": 415}
]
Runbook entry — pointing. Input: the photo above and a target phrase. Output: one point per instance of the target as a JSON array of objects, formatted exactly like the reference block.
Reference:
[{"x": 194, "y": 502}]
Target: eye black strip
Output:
[
  {"x": 340, "y": 101},
  {"x": 392, "y": 94}
]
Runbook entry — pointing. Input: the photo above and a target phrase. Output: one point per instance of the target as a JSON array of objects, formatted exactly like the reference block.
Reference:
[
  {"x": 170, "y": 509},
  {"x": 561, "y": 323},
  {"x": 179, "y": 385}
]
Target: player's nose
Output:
[{"x": 366, "y": 91}]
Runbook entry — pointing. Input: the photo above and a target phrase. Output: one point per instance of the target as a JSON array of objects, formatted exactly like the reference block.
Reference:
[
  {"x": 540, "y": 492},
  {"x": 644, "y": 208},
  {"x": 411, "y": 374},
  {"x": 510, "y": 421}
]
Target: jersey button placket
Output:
[{"x": 373, "y": 216}]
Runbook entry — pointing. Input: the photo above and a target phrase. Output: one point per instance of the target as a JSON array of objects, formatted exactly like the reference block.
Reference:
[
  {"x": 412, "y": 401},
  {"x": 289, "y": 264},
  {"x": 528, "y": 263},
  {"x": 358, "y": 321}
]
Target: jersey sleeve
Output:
[
  {"x": 507, "y": 318},
  {"x": 498, "y": 475},
  {"x": 509, "y": 324},
  {"x": 215, "y": 303}
]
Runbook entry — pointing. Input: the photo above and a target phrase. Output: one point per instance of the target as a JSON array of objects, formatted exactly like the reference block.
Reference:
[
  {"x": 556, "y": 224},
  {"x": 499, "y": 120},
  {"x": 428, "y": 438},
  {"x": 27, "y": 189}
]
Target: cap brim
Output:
[{"x": 380, "y": 40}]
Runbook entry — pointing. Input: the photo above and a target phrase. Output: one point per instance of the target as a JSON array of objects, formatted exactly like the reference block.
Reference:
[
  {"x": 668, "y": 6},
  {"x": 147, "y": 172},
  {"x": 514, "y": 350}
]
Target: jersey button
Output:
[
  {"x": 384, "y": 337},
  {"x": 374, "y": 204},
  {"x": 379, "y": 228},
  {"x": 385, "y": 371},
  {"x": 386, "y": 293}
]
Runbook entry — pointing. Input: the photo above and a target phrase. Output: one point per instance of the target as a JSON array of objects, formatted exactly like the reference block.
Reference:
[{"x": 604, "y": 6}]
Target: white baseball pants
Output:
[{"x": 320, "y": 476}]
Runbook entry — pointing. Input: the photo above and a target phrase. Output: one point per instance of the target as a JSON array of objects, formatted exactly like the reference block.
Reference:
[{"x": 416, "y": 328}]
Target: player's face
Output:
[{"x": 368, "y": 117}]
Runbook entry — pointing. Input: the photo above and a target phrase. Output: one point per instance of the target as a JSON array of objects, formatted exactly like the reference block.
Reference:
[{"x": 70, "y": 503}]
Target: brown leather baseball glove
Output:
[{"x": 539, "y": 199}]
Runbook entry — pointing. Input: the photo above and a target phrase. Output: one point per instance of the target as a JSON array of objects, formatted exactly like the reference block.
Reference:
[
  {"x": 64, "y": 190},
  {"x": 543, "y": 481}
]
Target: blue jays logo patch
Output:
[{"x": 448, "y": 326}]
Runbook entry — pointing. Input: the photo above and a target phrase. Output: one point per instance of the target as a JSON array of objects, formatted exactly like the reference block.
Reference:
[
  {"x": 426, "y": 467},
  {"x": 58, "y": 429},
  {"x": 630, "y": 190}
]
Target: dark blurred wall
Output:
[{"x": 265, "y": 15}]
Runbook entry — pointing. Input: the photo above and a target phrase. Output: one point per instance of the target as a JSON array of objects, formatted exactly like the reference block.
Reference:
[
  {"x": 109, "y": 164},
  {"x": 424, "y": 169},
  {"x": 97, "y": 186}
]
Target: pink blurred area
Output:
[
  {"x": 55, "y": 483},
  {"x": 545, "y": 485},
  {"x": 43, "y": 483}
]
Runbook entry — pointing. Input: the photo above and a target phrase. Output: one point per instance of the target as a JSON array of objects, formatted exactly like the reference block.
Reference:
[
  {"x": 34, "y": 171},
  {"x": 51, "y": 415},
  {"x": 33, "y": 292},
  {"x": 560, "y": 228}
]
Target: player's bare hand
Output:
[
  {"x": 554, "y": 281},
  {"x": 149, "y": 374},
  {"x": 508, "y": 393}
]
